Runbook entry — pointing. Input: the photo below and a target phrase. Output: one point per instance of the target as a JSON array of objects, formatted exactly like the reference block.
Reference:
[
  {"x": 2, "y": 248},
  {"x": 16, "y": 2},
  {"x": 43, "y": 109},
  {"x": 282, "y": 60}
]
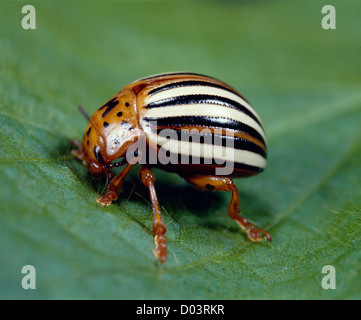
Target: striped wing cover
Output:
[{"x": 200, "y": 117}]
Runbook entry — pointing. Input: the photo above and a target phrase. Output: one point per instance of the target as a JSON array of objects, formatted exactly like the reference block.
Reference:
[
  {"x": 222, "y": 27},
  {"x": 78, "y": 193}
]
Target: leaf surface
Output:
[{"x": 303, "y": 81}]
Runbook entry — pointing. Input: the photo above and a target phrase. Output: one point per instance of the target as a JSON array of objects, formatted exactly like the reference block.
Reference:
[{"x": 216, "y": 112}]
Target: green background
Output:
[{"x": 303, "y": 81}]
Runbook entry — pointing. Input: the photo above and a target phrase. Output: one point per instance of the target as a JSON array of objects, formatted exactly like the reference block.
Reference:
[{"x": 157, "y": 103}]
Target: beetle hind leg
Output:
[{"x": 217, "y": 183}]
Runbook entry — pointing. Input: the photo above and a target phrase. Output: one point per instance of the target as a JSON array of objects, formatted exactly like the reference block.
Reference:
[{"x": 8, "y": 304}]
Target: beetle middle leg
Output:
[
  {"x": 218, "y": 183},
  {"x": 159, "y": 228}
]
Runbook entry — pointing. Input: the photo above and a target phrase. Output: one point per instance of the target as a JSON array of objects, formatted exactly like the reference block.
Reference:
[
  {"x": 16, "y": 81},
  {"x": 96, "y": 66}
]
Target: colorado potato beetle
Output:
[{"x": 186, "y": 123}]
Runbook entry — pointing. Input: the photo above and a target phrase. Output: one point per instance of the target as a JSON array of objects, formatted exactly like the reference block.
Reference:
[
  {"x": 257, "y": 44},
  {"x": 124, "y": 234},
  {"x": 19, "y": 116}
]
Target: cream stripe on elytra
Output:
[
  {"x": 204, "y": 110},
  {"x": 200, "y": 90}
]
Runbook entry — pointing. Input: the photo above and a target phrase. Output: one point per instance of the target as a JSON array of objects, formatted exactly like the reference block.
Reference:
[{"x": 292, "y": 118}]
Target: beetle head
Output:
[{"x": 110, "y": 132}]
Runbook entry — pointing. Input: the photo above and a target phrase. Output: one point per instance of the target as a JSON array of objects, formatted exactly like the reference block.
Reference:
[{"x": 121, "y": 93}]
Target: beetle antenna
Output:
[
  {"x": 83, "y": 112},
  {"x": 116, "y": 164}
]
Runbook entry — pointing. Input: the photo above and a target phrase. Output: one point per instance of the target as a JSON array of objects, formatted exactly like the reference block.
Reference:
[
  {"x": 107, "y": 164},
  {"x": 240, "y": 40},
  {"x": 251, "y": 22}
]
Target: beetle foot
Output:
[
  {"x": 255, "y": 235},
  {"x": 107, "y": 199},
  {"x": 160, "y": 250}
]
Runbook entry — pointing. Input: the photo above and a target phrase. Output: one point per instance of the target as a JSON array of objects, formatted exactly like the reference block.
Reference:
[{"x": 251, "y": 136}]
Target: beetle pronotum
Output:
[{"x": 185, "y": 123}]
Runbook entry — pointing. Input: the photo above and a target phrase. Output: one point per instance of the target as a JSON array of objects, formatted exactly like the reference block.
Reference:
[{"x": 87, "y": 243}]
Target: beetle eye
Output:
[{"x": 98, "y": 156}]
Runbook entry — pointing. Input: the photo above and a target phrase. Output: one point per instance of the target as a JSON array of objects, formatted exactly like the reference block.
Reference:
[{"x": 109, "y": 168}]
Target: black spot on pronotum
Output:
[
  {"x": 109, "y": 106},
  {"x": 98, "y": 156},
  {"x": 127, "y": 104},
  {"x": 119, "y": 114},
  {"x": 87, "y": 133},
  {"x": 210, "y": 187},
  {"x": 105, "y": 124},
  {"x": 124, "y": 123}
]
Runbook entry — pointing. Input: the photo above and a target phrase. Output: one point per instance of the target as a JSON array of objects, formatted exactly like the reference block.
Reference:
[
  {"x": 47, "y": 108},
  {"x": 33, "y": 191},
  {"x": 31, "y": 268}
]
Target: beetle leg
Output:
[
  {"x": 114, "y": 186},
  {"x": 78, "y": 152},
  {"x": 217, "y": 183},
  {"x": 159, "y": 228}
]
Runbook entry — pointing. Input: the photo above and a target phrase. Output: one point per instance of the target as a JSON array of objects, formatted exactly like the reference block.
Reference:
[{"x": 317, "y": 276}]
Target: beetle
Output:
[{"x": 172, "y": 118}]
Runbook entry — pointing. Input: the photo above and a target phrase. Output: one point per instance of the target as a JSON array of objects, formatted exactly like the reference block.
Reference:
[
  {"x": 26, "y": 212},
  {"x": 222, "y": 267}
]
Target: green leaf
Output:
[{"x": 304, "y": 82}]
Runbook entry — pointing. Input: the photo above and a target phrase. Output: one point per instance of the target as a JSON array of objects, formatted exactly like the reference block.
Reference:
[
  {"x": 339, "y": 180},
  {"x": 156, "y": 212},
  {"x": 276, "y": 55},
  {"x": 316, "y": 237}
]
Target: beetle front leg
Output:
[
  {"x": 216, "y": 183},
  {"x": 159, "y": 228},
  {"x": 114, "y": 186},
  {"x": 78, "y": 151}
]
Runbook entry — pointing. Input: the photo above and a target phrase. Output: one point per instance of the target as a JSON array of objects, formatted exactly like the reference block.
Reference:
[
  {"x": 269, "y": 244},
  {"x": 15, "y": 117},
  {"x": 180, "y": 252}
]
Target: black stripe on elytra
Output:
[
  {"x": 211, "y": 122},
  {"x": 190, "y": 83},
  {"x": 175, "y": 74},
  {"x": 98, "y": 156},
  {"x": 177, "y": 158},
  {"x": 248, "y": 167},
  {"x": 202, "y": 98},
  {"x": 212, "y": 138},
  {"x": 110, "y": 105}
]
